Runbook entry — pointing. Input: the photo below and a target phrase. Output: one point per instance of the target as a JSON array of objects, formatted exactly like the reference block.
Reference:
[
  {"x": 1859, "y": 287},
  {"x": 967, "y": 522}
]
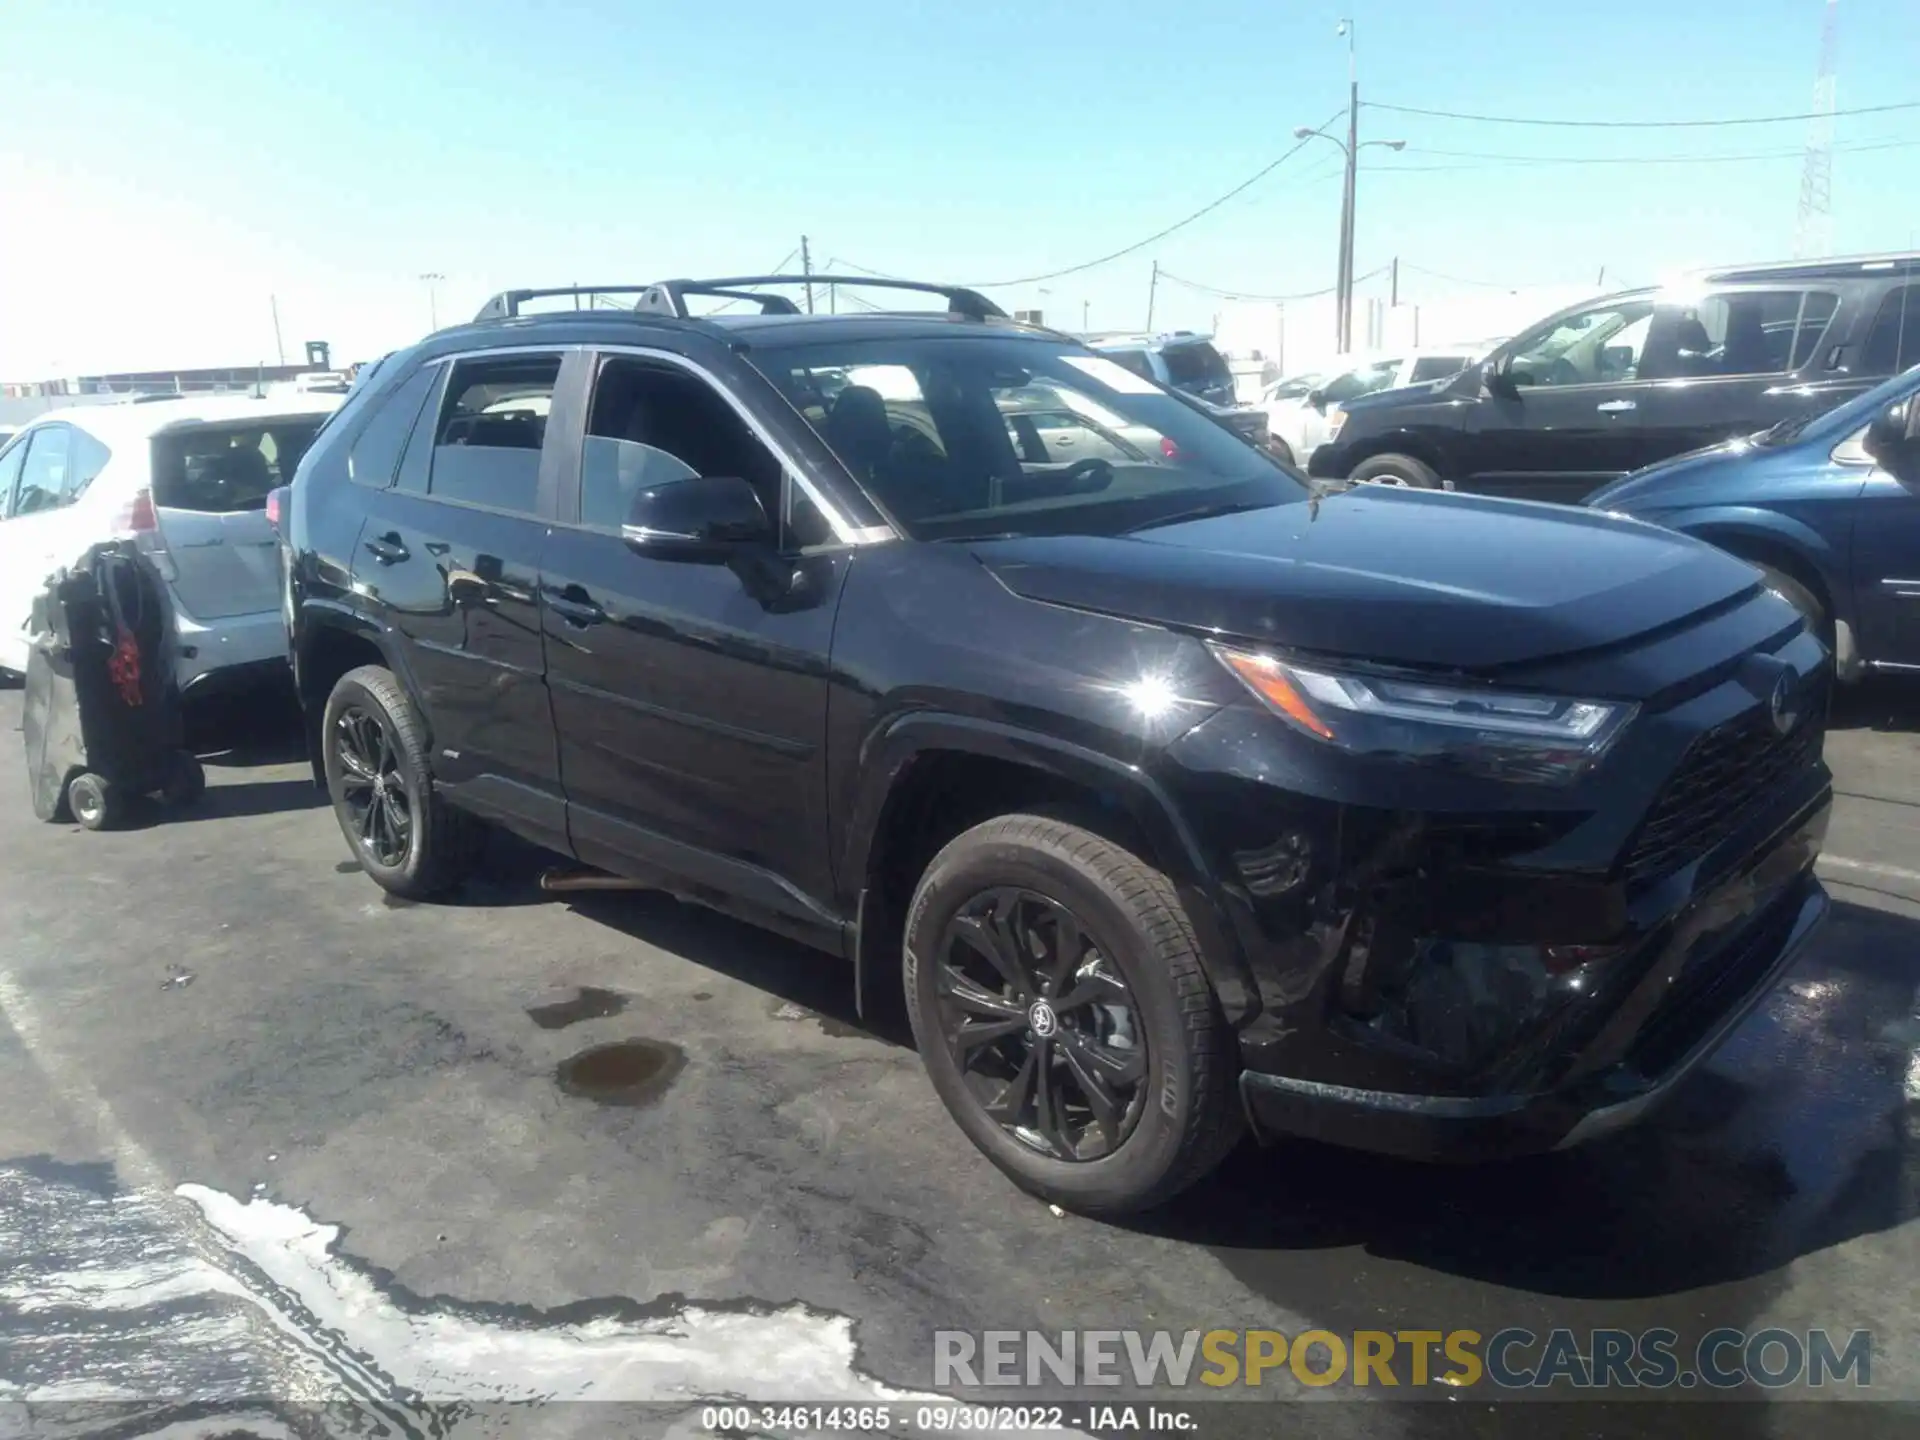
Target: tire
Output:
[
  {"x": 1397, "y": 470},
  {"x": 1163, "y": 1022},
  {"x": 94, "y": 801},
  {"x": 374, "y": 748},
  {"x": 187, "y": 782}
]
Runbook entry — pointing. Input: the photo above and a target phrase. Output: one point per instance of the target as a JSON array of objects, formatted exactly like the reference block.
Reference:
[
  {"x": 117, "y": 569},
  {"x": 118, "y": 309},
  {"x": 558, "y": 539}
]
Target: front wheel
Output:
[
  {"x": 409, "y": 840},
  {"x": 1054, "y": 985},
  {"x": 1401, "y": 470}
]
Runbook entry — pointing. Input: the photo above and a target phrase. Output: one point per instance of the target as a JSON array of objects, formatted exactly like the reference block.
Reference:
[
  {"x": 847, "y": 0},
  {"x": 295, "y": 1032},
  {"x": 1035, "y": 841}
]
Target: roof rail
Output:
[
  {"x": 507, "y": 303},
  {"x": 668, "y": 297}
]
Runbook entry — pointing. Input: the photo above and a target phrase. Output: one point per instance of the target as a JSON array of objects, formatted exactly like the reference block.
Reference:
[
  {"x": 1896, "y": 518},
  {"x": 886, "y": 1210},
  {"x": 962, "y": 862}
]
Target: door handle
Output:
[
  {"x": 1616, "y": 407},
  {"x": 576, "y": 610},
  {"x": 388, "y": 548}
]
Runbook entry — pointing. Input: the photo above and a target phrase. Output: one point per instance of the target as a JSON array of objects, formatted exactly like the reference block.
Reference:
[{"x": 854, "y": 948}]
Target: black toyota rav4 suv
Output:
[{"x": 1174, "y": 795}]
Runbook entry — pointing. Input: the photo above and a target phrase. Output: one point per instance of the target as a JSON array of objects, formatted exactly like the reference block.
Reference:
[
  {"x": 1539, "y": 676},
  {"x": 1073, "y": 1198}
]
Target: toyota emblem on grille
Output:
[{"x": 1780, "y": 705}]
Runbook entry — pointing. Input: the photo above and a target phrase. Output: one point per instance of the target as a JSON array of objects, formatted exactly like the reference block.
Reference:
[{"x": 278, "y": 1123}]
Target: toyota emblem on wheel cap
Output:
[
  {"x": 1780, "y": 703},
  {"x": 1041, "y": 1018}
]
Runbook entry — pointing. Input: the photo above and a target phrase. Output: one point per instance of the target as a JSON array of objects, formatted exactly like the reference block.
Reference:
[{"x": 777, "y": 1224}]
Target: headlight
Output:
[
  {"x": 1546, "y": 739},
  {"x": 1336, "y": 419}
]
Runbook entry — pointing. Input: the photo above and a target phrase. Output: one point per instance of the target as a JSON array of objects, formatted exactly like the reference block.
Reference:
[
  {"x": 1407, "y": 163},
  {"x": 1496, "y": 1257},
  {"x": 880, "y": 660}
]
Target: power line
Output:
[
  {"x": 1456, "y": 279},
  {"x": 1182, "y": 224},
  {"x": 1507, "y": 162},
  {"x": 1166, "y": 274},
  {"x": 1634, "y": 124},
  {"x": 777, "y": 269}
]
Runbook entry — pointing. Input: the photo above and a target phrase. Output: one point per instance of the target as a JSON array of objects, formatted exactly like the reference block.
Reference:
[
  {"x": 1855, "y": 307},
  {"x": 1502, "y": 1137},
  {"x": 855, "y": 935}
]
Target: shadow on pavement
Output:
[{"x": 257, "y": 726}]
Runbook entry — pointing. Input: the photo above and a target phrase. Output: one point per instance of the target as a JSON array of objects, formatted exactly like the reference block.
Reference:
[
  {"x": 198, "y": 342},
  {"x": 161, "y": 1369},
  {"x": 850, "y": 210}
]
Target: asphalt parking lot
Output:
[{"x": 612, "y": 1147}]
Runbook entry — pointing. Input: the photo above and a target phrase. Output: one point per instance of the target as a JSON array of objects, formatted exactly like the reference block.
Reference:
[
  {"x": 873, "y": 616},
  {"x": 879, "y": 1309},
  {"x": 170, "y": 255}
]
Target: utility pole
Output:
[
  {"x": 430, "y": 279},
  {"x": 279, "y": 346},
  {"x": 1813, "y": 229},
  {"x": 806, "y": 268},
  {"x": 1395, "y": 292},
  {"x": 1086, "y": 310},
  {"x": 1153, "y": 287},
  {"x": 1343, "y": 280}
]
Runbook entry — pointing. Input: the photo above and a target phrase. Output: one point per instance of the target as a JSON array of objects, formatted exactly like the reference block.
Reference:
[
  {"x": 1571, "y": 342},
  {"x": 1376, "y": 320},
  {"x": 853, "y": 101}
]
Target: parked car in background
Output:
[
  {"x": 189, "y": 478},
  {"x": 1300, "y": 409},
  {"x": 1188, "y": 363},
  {"x": 1609, "y": 386},
  {"x": 1172, "y": 793},
  {"x": 1827, "y": 505}
]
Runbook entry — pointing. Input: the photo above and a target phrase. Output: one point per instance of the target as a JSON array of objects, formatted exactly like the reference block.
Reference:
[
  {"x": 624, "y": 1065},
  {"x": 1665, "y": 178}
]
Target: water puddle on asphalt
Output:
[
  {"x": 628, "y": 1072},
  {"x": 589, "y": 1003}
]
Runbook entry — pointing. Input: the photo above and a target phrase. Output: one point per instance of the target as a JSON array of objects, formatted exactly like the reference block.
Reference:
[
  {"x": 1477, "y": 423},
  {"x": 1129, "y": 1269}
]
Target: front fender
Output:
[
  {"x": 891, "y": 752},
  {"x": 1727, "y": 526}
]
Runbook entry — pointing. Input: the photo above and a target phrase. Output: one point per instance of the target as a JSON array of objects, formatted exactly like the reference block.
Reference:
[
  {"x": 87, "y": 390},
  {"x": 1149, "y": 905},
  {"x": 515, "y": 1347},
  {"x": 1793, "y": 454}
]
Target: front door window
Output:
[{"x": 1597, "y": 346}]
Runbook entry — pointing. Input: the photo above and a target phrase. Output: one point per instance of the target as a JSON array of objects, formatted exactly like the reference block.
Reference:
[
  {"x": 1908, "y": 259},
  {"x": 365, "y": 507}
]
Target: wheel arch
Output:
[
  {"x": 929, "y": 776},
  {"x": 1789, "y": 545},
  {"x": 1401, "y": 442},
  {"x": 332, "y": 640}
]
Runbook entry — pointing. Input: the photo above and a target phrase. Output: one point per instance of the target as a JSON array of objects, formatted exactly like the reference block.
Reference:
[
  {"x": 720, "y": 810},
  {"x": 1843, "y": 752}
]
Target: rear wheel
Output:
[
  {"x": 1054, "y": 985},
  {"x": 409, "y": 840},
  {"x": 1397, "y": 470}
]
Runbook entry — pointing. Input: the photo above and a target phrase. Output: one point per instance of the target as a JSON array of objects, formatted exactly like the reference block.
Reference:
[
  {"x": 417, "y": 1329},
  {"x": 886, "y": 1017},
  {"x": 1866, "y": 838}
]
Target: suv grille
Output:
[{"x": 1725, "y": 775}]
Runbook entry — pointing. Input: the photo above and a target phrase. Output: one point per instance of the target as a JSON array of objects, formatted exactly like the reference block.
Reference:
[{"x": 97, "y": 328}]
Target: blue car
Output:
[{"x": 1827, "y": 505}]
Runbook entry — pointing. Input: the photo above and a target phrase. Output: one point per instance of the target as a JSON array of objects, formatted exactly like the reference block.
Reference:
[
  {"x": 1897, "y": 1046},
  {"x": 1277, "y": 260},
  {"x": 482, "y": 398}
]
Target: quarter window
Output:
[
  {"x": 486, "y": 445},
  {"x": 1894, "y": 341},
  {"x": 89, "y": 457},
  {"x": 376, "y": 453}
]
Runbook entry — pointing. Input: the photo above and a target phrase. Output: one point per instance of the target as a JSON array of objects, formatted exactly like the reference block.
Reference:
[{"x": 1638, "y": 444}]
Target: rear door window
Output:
[
  {"x": 1740, "y": 332},
  {"x": 222, "y": 469},
  {"x": 491, "y": 426}
]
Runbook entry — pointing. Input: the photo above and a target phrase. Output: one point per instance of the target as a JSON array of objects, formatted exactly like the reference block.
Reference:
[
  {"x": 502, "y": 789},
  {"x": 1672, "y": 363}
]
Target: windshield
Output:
[
  {"x": 978, "y": 435},
  {"x": 1842, "y": 419}
]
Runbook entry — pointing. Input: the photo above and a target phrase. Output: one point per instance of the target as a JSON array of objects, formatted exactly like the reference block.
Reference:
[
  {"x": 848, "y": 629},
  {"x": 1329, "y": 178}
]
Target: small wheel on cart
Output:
[
  {"x": 93, "y": 800},
  {"x": 187, "y": 782}
]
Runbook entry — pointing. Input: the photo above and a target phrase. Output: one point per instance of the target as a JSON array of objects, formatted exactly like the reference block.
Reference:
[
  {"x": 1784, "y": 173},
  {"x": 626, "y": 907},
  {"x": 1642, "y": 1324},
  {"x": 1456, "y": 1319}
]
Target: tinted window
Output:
[
  {"x": 1195, "y": 365},
  {"x": 1590, "y": 347},
  {"x": 43, "y": 479},
  {"x": 653, "y": 424},
  {"x": 486, "y": 446},
  {"x": 376, "y": 454},
  {"x": 1436, "y": 367},
  {"x": 1894, "y": 341},
  {"x": 927, "y": 425},
  {"x": 218, "y": 469},
  {"x": 1814, "y": 316},
  {"x": 10, "y": 463},
  {"x": 1741, "y": 332}
]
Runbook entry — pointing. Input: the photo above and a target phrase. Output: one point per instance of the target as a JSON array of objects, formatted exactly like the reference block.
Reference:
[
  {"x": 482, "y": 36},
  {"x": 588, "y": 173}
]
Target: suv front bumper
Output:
[{"x": 1702, "y": 971}]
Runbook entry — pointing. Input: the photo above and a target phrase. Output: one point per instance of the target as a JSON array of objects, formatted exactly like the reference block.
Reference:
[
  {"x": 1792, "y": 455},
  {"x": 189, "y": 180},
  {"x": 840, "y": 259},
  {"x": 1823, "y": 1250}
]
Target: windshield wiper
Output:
[{"x": 1201, "y": 512}]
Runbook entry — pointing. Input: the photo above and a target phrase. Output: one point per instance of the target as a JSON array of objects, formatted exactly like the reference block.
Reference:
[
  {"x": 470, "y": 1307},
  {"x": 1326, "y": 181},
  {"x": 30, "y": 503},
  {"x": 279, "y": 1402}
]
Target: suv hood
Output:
[{"x": 1402, "y": 577}]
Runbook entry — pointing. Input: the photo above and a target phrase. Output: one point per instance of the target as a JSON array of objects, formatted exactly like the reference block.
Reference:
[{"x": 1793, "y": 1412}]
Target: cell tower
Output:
[{"x": 1813, "y": 234}]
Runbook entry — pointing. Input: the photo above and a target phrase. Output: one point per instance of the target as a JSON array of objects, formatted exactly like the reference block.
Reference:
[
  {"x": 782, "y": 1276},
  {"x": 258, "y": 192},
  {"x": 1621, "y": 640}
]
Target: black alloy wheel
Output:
[
  {"x": 1041, "y": 1025},
  {"x": 373, "y": 787}
]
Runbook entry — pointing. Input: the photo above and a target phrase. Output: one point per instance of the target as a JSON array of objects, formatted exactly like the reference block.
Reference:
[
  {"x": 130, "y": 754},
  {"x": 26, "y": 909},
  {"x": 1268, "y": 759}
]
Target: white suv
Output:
[
  {"x": 1300, "y": 417},
  {"x": 188, "y": 478}
]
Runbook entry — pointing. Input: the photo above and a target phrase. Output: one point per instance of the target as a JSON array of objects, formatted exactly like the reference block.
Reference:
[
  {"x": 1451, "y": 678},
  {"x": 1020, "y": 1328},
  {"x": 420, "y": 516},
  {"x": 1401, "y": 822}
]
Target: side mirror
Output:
[
  {"x": 1497, "y": 376},
  {"x": 706, "y": 517},
  {"x": 1893, "y": 440}
]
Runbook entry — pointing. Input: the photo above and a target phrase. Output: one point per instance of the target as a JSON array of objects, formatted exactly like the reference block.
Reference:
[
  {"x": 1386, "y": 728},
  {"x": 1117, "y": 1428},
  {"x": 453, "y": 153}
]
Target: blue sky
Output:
[{"x": 164, "y": 169}]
